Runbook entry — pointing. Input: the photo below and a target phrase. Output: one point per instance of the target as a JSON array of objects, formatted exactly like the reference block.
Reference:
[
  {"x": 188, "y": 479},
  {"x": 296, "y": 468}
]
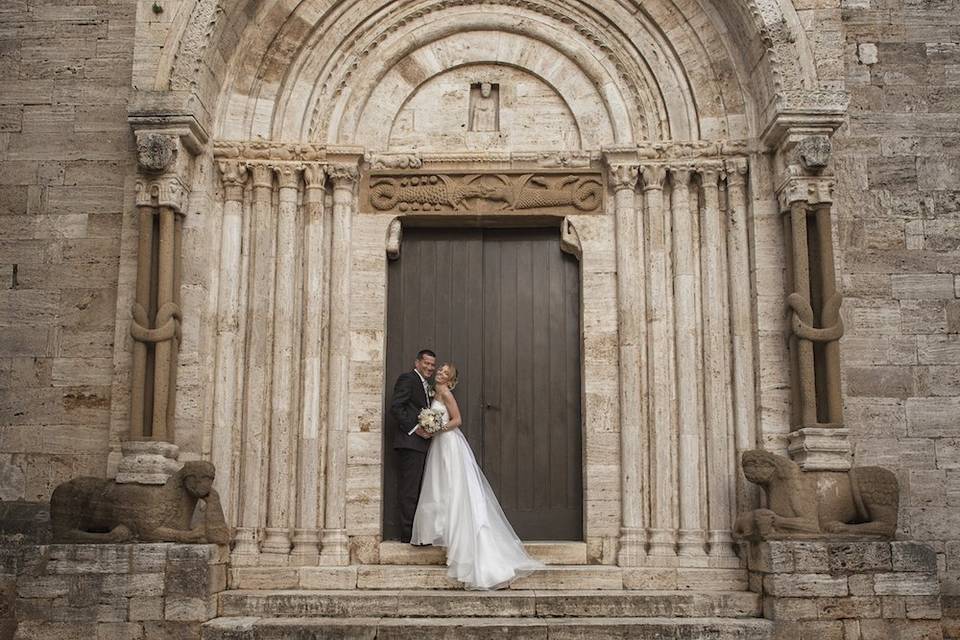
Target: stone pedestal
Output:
[
  {"x": 848, "y": 590},
  {"x": 147, "y": 462},
  {"x": 144, "y": 591}
]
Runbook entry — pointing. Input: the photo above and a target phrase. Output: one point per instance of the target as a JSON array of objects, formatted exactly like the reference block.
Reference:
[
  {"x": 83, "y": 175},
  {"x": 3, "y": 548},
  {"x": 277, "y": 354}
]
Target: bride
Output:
[{"x": 458, "y": 509}]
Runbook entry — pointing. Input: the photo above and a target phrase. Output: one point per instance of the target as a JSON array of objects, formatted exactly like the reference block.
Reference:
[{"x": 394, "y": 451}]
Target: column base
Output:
[
  {"x": 721, "y": 544},
  {"x": 633, "y": 547},
  {"x": 306, "y": 547},
  {"x": 276, "y": 542},
  {"x": 663, "y": 542},
  {"x": 691, "y": 542},
  {"x": 246, "y": 552},
  {"x": 335, "y": 548},
  {"x": 820, "y": 448},
  {"x": 147, "y": 462}
]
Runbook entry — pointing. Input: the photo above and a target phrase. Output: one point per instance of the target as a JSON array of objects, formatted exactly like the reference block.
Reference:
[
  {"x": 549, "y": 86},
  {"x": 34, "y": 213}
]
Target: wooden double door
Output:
[{"x": 504, "y": 306}]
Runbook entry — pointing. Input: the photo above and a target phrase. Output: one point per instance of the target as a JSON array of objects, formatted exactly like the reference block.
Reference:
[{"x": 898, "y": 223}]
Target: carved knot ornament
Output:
[
  {"x": 156, "y": 151},
  {"x": 814, "y": 153}
]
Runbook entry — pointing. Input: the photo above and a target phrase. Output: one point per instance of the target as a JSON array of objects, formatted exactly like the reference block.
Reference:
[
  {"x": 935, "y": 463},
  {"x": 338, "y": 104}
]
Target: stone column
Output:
[
  {"x": 229, "y": 361},
  {"x": 721, "y": 468},
  {"x": 276, "y": 541},
  {"x": 662, "y": 532},
  {"x": 692, "y": 535},
  {"x": 630, "y": 316},
  {"x": 741, "y": 323},
  {"x": 313, "y": 406},
  {"x": 167, "y": 309},
  {"x": 141, "y": 306},
  {"x": 259, "y": 365},
  {"x": 335, "y": 548}
]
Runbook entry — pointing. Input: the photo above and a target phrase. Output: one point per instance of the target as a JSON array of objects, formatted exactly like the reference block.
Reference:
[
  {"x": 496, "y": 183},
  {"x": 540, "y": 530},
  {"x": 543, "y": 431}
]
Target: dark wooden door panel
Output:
[{"x": 504, "y": 306}]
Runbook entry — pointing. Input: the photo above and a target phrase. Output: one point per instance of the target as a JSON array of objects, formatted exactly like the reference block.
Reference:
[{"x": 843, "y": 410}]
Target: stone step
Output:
[
  {"x": 552, "y": 553},
  {"x": 500, "y": 604},
  {"x": 369, "y": 628},
  {"x": 430, "y": 577}
]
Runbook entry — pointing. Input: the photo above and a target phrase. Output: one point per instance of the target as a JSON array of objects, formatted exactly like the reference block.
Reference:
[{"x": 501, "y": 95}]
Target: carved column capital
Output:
[
  {"x": 262, "y": 175},
  {"x": 813, "y": 191},
  {"x": 624, "y": 176},
  {"x": 710, "y": 173},
  {"x": 233, "y": 175},
  {"x": 288, "y": 175},
  {"x": 344, "y": 176},
  {"x": 170, "y": 192},
  {"x": 680, "y": 174},
  {"x": 143, "y": 194},
  {"x": 314, "y": 175},
  {"x": 653, "y": 176},
  {"x": 736, "y": 170}
]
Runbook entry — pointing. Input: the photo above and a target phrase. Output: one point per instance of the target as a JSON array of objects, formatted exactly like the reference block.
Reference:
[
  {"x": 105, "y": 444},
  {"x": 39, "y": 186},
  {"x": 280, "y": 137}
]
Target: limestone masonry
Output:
[{"x": 202, "y": 205}]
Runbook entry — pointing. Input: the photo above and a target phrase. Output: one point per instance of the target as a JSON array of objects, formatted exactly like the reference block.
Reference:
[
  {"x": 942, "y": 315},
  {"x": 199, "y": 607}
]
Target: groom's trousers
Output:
[{"x": 410, "y": 472}]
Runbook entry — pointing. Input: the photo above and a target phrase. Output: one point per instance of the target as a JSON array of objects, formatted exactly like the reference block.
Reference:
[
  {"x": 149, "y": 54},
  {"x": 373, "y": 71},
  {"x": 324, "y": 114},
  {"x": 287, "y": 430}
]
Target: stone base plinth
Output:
[
  {"x": 847, "y": 590},
  {"x": 89, "y": 591}
]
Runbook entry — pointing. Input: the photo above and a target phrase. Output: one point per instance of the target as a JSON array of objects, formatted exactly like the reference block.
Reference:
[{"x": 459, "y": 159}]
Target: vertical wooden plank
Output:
[{"x": 572, "y": 394}]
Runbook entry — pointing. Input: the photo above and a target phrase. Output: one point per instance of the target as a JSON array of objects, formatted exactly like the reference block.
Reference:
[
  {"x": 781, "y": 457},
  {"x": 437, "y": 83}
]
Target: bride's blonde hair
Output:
[{"x": 452, "y": 382}]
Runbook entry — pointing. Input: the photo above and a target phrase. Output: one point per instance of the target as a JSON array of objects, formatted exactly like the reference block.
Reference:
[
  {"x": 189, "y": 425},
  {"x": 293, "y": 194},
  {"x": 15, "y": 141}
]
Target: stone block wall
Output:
[
  {"x": 130, "y": 591},
  {"x": 848, "y": 590},
  {"x": 898, "y": 231},
  {"x": 65, "y": 149}
]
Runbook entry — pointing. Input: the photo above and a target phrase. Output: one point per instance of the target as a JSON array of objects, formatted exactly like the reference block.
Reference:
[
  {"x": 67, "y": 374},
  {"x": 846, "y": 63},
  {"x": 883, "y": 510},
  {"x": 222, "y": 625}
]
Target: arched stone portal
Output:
[{"x": 665, "y": 140}]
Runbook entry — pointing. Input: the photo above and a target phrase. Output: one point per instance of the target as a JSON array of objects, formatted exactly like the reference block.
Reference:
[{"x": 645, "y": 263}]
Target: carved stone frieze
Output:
[
  {"x": 478, "y": 193},
  {"x": 378, "y": 161}
]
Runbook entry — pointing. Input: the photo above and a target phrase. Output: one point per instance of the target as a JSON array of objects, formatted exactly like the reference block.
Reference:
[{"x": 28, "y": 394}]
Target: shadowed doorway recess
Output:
[{"x": 504, "y": 305}]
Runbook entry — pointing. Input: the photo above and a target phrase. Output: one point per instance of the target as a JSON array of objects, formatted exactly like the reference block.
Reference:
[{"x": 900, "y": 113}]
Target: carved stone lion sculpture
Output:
[
  {"x": 818, "y": 504},
  {"x": 100, "y": 510}
]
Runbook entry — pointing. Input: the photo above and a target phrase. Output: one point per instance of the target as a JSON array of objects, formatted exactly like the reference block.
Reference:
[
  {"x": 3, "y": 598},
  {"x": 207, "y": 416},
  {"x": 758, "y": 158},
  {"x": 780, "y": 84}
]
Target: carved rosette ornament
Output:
[{"x": 156, "y": 151}]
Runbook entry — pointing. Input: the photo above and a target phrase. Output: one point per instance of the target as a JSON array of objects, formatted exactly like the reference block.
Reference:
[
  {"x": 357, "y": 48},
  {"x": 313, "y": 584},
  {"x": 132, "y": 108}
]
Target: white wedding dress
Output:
[{"x": 458, "y": 510}]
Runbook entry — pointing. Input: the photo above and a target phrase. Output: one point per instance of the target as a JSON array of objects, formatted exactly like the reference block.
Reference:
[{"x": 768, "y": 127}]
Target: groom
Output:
[{"x": 411, "y": 393}]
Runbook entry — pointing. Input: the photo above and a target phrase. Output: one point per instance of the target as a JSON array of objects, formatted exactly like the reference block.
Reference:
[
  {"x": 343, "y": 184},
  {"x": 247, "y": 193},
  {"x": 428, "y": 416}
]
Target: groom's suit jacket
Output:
[{"x": 405, "y": 405}]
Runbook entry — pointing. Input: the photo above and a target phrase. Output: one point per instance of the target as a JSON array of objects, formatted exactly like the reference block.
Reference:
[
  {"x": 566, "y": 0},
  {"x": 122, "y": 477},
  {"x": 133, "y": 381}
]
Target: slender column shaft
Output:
[
  {"x": 662, "y": 531},
  {"x": 831, "y": 349},
  {"x": 166, "y": 277},
  {"x": 631, "y": 331},
  {"x": 335, "y": 545},
  {"x": 741, "y": 323},
  {"x": 692, "y": 535},
  {"x": 277, "y": 534},
  {"x": 228, "y": 364},
  {"x": 313, "y": 406},
  {"x": 801, "y": 285},
  {"x": 720, "y": 471},
  {"x": 141, "y": 308},
  {"x": 259, "y": 365}
]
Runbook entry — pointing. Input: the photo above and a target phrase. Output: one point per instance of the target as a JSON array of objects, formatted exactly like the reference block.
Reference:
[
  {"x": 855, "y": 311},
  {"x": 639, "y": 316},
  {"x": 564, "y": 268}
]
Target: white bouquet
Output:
[{"x": 429, "y": 420}]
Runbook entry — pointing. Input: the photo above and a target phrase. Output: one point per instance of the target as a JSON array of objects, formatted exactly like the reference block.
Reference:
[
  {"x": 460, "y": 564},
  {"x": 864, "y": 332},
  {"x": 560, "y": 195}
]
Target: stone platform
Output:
[{"x": 852, "y": 590}]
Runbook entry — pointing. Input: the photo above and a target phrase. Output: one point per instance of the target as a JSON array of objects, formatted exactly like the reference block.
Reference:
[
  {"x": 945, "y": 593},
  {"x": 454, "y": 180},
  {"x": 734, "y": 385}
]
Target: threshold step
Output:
[
  {"x": 499, "y": 604},
  {"x": 369, "y": 628},
  {"x": 552, "y": 553}
]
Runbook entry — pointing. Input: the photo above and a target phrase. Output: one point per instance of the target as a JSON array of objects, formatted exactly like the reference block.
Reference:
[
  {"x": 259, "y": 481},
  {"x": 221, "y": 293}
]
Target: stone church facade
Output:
[{"x": 206, "y": 206}]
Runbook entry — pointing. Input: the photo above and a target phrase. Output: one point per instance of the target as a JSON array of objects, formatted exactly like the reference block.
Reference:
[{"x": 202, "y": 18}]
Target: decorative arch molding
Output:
[{"x": 762, "y": 40}]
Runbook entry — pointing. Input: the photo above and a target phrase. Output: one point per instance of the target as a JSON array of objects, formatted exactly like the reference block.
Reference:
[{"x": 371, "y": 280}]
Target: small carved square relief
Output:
[{"x": 484, "y": 107}]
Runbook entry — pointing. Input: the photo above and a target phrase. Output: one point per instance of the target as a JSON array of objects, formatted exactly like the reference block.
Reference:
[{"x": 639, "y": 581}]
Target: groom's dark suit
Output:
[{"x": 409, "y": 397}]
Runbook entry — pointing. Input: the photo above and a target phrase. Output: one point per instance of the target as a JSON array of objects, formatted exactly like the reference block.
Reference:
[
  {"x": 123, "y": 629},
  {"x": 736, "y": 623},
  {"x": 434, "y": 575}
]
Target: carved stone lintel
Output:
[
  {"x": 394, "y": 237},
  {"x": 623, "y": 176},
  {"x": 156, "y": 152},
  {"x": 491, "y": 192},
  {"x": 820, "y": 449}
]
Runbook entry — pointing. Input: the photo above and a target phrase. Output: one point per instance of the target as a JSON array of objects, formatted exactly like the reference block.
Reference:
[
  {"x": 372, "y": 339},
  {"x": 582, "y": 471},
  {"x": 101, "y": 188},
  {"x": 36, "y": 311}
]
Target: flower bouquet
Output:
[{"x": 429, "y": 420}]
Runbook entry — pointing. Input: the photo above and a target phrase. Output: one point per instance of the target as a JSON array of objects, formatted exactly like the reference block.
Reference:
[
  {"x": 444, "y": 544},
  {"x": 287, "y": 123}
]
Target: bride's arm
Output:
[{"x": 452, "y": 408}]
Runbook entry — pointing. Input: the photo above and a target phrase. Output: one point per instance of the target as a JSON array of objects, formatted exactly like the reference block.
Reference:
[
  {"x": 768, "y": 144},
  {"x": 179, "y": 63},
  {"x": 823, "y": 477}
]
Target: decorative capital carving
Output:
[
  {"x": 233, "y": 174},
  {"x": 653, "y": 176},
  {"x": 813, "y": 153},
  {"x": 810, "y": 190},
  {"x": 623, "y": 176},
  {"x": 710, "y": 174},
  {"x": 681, "y": 174},
  {"x": 262, "y": 175},
  {"x": 736, "y": 169},
  {"x": 314, "y": 175},
  {"x": 288, "y": 175},
  {"x": 156, "y": 152},
  {"x": 144, "y": 194},
  {"x": 170, "y": 192},
  {"x": 343, "y": 175}
]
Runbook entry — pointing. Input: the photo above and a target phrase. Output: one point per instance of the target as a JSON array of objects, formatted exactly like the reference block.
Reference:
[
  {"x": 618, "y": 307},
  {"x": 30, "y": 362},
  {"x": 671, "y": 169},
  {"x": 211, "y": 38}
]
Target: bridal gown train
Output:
[{"x": 458, "y": 510}]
